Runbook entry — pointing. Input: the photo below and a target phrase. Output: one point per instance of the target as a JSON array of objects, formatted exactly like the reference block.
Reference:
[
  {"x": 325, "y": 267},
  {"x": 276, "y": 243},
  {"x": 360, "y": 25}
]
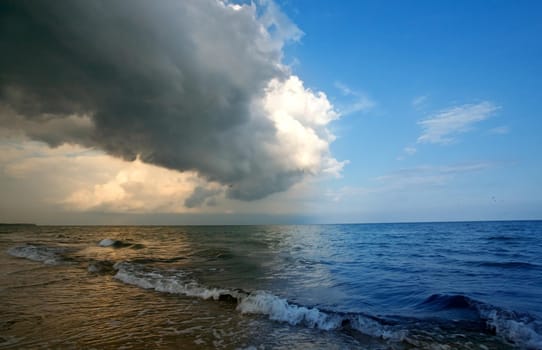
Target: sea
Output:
[{"x": 457, "y": 285}]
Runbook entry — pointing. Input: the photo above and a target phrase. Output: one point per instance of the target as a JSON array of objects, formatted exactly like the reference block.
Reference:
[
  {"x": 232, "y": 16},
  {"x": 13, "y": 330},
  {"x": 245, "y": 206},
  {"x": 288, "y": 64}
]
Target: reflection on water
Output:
[
  {"x": 339, "y": 286},
  {"x": 66, "y": 306}
]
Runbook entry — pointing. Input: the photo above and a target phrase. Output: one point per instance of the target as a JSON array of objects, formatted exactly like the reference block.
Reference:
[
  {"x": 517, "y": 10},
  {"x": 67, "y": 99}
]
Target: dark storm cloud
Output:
[
  {"x": 201, "y": 196},
  {"x": 173, "y": 82}
]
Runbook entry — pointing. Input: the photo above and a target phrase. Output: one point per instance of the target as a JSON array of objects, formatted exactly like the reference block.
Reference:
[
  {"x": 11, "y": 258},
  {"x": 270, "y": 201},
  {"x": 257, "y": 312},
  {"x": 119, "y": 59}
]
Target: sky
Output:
[{"x": 293, "y": 111}]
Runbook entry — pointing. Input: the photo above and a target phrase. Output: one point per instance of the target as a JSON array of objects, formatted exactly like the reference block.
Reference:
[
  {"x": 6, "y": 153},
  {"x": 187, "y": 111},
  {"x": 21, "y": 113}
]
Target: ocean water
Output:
[{"x": 471, "y": 285}]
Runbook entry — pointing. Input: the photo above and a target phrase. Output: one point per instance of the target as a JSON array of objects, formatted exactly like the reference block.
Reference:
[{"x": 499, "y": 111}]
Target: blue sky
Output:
[
  {"x": 204, "y": 111},
  {"x": 415, "y": 60}
]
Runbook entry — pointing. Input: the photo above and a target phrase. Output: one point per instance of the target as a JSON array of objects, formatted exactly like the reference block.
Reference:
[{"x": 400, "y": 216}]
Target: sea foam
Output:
[
  {"x": 44, "y": 254},
  {"x": 256, "y": 302},
  {"x": 278, "y": 309},
  {"x": 173, "y": 282},
  {"x": 107, "y": 242},
  {"x": 521, "y": 329}
]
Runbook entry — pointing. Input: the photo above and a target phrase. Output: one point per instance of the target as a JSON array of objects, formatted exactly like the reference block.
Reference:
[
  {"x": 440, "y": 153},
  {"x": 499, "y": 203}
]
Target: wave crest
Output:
[
  {"x": 278, "y": 309},
  {"x": 44, "y": 254},
  {"x": 256, "y": 302},
  {"x": 521, "y": 329},
  {"x": 516, "y": 328}
]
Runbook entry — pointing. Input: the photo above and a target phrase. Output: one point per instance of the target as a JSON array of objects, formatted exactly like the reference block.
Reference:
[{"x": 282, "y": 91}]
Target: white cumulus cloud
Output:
[{"x": 194, "y": 86}]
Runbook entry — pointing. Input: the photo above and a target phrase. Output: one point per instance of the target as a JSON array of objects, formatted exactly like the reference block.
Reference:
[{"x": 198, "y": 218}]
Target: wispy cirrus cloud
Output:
[
  {"x": 360, "y": 101},
  {"x": 412, "y": 179},
  {"x": 500, "y": 130},
  {"x": 444, "y": 126},
  {"x": 418, "y": 101},
  {"x": 429, "y": 175},
  {"x": 408, "y": 151}
]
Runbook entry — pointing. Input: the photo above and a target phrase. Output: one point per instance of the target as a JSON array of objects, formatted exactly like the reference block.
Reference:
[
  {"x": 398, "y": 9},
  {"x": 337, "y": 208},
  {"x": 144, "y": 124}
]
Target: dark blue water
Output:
[
  {"x": 393, "y": 268},
  {"x": 465, "y": 285}
]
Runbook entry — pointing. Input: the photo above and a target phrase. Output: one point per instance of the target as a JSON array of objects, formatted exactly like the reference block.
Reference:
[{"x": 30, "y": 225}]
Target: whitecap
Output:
[
  {"x": 373, "y": 328},
  {"x": 107, "y": 242},
  {"x": 114, "y": 243},
  {"x": 521, "y": 329},
  {"x": 174, "y": 282},
  {"x": 44, "y": 254},
  {"x": 256, "y": 302},
  {"x": 278, "y": 309}
]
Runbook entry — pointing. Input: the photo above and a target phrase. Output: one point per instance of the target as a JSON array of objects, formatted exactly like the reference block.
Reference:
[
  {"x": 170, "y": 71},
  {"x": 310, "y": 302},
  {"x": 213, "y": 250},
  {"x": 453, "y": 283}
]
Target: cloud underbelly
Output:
[{"x": 187, "y": 85}]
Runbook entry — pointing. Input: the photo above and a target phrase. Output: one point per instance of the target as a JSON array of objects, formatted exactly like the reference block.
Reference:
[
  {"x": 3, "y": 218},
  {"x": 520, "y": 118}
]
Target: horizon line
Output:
[{"x": 274, "y": 224}]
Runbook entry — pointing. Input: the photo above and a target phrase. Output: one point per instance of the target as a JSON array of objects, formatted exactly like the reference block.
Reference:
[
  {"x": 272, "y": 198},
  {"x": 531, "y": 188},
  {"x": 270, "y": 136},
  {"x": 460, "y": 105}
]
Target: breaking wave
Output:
[
  {"x": 167, "y": 281},
  {"x": 44, "y": 254},
  {"x": 256, "y": 302},
  {"x": 520, "y": 329},
  {"x": 113, "y": 243}
]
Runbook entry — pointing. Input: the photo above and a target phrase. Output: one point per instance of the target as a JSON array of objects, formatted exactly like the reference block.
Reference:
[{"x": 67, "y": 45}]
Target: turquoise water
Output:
[{"x": 471, "y": 285}]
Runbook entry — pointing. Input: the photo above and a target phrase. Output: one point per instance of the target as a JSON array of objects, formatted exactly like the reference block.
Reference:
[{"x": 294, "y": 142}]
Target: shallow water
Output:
[{"x": 470, "y": 285}]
